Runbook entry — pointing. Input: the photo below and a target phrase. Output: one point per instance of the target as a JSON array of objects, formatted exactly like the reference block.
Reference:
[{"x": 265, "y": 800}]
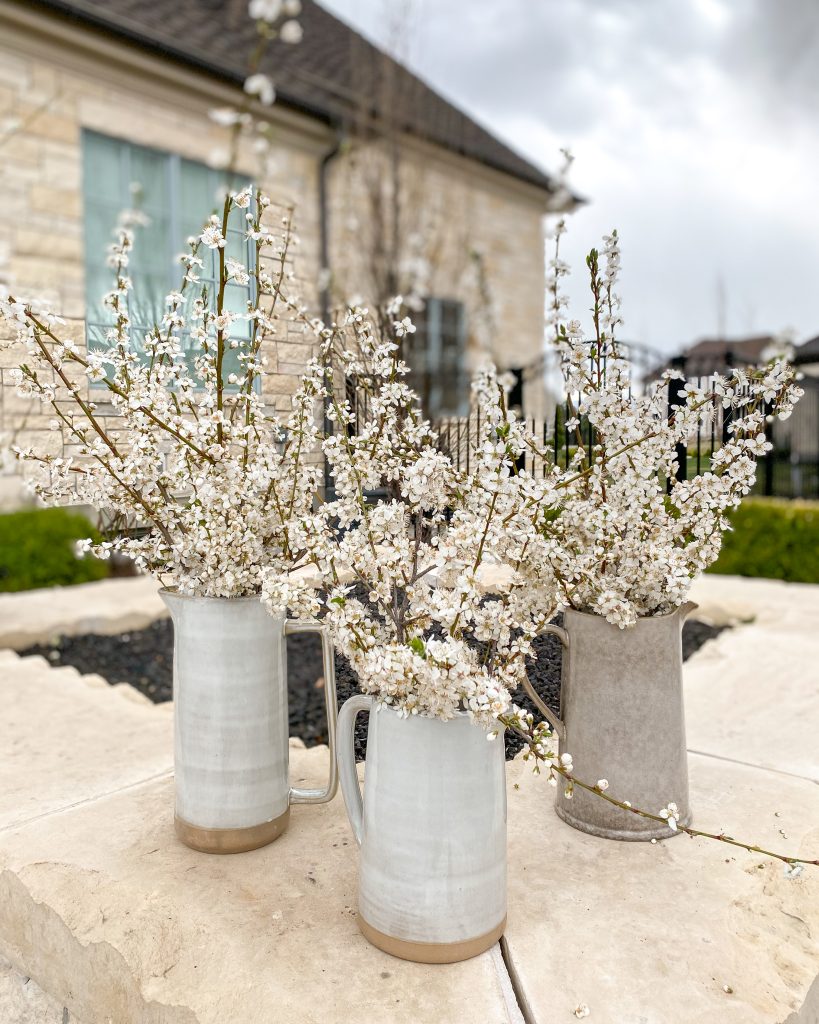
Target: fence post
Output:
[
  {"x": 677, "y": 398},
  {"x": 727, "y": 414},
  {"x": 768, "y": 486}
]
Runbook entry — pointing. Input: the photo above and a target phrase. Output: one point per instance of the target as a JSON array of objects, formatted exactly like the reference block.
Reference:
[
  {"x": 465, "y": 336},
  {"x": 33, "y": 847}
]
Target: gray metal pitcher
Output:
[{"x": 622, "y": 719}]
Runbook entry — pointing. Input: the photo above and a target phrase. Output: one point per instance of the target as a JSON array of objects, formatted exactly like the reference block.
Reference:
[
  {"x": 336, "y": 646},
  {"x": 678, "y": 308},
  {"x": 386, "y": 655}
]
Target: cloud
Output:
[{"x": 694, "y": 129}]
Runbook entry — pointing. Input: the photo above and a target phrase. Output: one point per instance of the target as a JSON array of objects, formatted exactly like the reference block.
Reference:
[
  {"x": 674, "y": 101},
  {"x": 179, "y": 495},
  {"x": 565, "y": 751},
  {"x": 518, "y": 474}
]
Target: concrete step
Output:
[{"x": 67, "y": 739}]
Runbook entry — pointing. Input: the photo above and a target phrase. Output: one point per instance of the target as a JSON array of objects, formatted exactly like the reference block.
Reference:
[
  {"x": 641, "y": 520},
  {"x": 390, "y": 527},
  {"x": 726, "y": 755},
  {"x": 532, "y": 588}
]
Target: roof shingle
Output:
[{"x": 334, "y": 73}]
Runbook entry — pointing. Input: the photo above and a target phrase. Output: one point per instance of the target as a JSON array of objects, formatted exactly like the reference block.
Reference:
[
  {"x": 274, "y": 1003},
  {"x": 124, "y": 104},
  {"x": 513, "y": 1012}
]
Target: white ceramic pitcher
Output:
[
  {"x": 622, "y": 719},
  {"x": 231, "y": 746},
  {"x": 432, "y": 831}
]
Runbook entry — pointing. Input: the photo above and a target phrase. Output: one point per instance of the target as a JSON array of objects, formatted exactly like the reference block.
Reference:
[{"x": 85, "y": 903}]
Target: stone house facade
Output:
[{"x": 96, "y": 96}]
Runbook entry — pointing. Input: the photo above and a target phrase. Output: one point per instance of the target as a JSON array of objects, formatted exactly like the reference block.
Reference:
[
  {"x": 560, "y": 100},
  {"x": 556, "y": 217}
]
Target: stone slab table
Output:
[{"x": 103, "y": 913}]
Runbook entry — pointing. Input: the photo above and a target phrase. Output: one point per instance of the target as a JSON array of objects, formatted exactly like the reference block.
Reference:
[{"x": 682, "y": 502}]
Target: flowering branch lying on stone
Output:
[{"x": 540, "y": 749}]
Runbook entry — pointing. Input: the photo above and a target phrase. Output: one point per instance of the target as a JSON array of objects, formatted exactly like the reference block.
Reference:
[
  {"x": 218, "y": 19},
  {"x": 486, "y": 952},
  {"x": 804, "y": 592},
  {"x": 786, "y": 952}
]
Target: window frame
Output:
[{"x": 435, "y": 370}]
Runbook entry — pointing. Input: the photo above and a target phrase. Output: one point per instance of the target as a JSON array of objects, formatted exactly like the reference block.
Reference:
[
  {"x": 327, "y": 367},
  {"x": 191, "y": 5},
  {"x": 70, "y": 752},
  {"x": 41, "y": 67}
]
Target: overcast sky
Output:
[{"x": 695, "y": 128}]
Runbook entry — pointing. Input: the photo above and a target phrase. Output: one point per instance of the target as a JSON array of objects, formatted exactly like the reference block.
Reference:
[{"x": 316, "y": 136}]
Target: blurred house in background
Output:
[
  {"x": 105, "y": 104},
  {"x": 806, "y": 357},
  {"x": 715, "y": 355}
]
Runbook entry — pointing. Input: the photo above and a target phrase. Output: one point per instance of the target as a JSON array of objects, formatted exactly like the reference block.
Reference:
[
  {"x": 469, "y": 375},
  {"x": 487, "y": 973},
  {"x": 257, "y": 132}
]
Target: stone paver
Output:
[
  {"x": 753, "y": 693},
  {"x": 652, "y": 933},
  {"x": 66, "y": 738},
  {"x": 112, "y": 918},
  {"x": 109, "y": 913},
  {"x": 105, "y": 606}
]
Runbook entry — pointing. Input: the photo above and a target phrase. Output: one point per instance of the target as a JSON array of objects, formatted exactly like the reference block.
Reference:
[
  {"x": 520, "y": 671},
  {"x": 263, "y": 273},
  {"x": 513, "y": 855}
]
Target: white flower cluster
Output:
[
  {"x": 267, "y": 13},
  {"x": 423, "y": 639},
  {"x": 207, "y": 486},
  {"x": 618, "y": 533}
]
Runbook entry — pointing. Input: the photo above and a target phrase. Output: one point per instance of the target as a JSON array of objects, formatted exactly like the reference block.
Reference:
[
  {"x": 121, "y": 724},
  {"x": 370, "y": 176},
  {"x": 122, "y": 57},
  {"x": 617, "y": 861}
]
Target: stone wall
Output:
[
  {"x": 478, "y": 236},
  {"x": 46, "y": 100}
]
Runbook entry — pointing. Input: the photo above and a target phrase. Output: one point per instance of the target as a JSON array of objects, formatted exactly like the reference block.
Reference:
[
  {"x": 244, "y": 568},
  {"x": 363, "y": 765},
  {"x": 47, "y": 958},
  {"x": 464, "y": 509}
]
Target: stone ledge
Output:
[
  {"x": 111, "y": 915},
  {"x": 22, "y": 1001},
  {"x": 119, "y": 922},
  {"x": 67, "y": 739},
  {"x": 106, "y": 607}
]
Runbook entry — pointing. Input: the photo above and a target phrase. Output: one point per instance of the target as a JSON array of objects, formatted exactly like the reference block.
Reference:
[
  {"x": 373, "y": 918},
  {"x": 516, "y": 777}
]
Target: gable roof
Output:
[
  {"x": 334, "y": 74},
  {"x": 719, "y": 351},
  {"x": 715, "y": 355},
  {"x": 807, "y": 352}
]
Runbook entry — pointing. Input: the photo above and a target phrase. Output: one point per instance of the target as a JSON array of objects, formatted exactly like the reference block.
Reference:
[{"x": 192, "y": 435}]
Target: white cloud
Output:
[{"x": 694, "y": 132}]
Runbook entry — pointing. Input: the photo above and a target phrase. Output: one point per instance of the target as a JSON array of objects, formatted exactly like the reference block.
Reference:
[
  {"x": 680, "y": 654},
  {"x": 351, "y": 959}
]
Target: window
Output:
[
  {"x": 177, "y": 196},
  {"x": 436, "y": 354}
]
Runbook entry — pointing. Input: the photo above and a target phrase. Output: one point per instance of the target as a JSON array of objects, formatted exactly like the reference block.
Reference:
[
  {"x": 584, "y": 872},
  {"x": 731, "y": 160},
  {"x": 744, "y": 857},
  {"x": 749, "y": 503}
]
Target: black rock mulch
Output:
[{"x": 144, "y": 658}]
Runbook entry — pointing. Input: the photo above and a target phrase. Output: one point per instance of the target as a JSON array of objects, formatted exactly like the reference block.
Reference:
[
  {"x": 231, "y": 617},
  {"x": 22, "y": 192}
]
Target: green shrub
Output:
[
  {"x": 772, "y": 538},
  {"x": 37, "y": 549}
]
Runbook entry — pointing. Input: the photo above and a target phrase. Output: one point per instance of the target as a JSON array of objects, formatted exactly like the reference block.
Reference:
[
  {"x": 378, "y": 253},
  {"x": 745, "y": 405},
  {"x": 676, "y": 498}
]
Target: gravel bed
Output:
[{"x": 144, "y": 658}]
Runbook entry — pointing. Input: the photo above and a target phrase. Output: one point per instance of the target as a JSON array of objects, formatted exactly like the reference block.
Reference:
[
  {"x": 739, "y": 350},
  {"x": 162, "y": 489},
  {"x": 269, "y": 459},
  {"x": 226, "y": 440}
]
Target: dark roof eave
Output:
[{"x": 122, "y": 30}]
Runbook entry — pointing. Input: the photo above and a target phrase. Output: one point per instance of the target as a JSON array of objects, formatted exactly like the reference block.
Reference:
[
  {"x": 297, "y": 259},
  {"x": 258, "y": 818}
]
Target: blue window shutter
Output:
[{"x": 177, "y": 195}]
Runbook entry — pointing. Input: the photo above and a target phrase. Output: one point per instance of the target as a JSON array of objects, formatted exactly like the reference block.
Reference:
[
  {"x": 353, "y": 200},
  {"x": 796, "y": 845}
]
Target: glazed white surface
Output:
[
  {"x": 230, "y": 712},
  {"x": 431, "y": 826}
]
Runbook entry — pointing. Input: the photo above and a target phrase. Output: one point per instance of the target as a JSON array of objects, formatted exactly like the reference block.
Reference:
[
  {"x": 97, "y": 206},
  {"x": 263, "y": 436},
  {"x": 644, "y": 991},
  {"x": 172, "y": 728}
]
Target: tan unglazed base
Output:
[
  {"x": 431, "y": 952},
  {"x": 230, "y": 840}
]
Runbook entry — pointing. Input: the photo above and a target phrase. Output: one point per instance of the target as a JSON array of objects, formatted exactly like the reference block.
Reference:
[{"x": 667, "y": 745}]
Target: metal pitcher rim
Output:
[
  {"x": 173, "y": 592},
  {"x": 687, "y": 607}
]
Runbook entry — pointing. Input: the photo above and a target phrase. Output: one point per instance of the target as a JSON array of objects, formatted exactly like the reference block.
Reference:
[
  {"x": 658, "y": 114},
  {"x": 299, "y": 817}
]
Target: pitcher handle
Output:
[
  {"x": 321, "y": 796},
  {"x": 555, "y": 722},
  {"x": 350, "y": 789}
]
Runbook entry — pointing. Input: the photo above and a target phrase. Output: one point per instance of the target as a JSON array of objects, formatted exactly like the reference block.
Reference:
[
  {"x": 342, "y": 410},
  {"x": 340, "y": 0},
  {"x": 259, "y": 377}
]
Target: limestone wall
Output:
[
  {"x": 56, "y": 81},
  {"x": 477, "y": 236},
  {"x": 50, "y": 93}
]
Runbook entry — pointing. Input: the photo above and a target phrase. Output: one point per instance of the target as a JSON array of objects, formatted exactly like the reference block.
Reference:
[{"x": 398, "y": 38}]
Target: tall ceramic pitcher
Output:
[
  {"x": 622, "y": 719},
  {"x": 432, "y": 831},
  {"x": 231, "y": 745}
]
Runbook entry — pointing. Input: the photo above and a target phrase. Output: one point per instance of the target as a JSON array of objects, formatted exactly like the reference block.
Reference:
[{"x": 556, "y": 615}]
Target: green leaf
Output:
[{"x": 417, "y": 645}]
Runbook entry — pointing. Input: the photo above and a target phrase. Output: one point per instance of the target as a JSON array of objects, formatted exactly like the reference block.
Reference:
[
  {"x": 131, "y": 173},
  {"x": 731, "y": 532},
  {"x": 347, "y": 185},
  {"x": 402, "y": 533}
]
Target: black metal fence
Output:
[{"x": 789, "y": 470}]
